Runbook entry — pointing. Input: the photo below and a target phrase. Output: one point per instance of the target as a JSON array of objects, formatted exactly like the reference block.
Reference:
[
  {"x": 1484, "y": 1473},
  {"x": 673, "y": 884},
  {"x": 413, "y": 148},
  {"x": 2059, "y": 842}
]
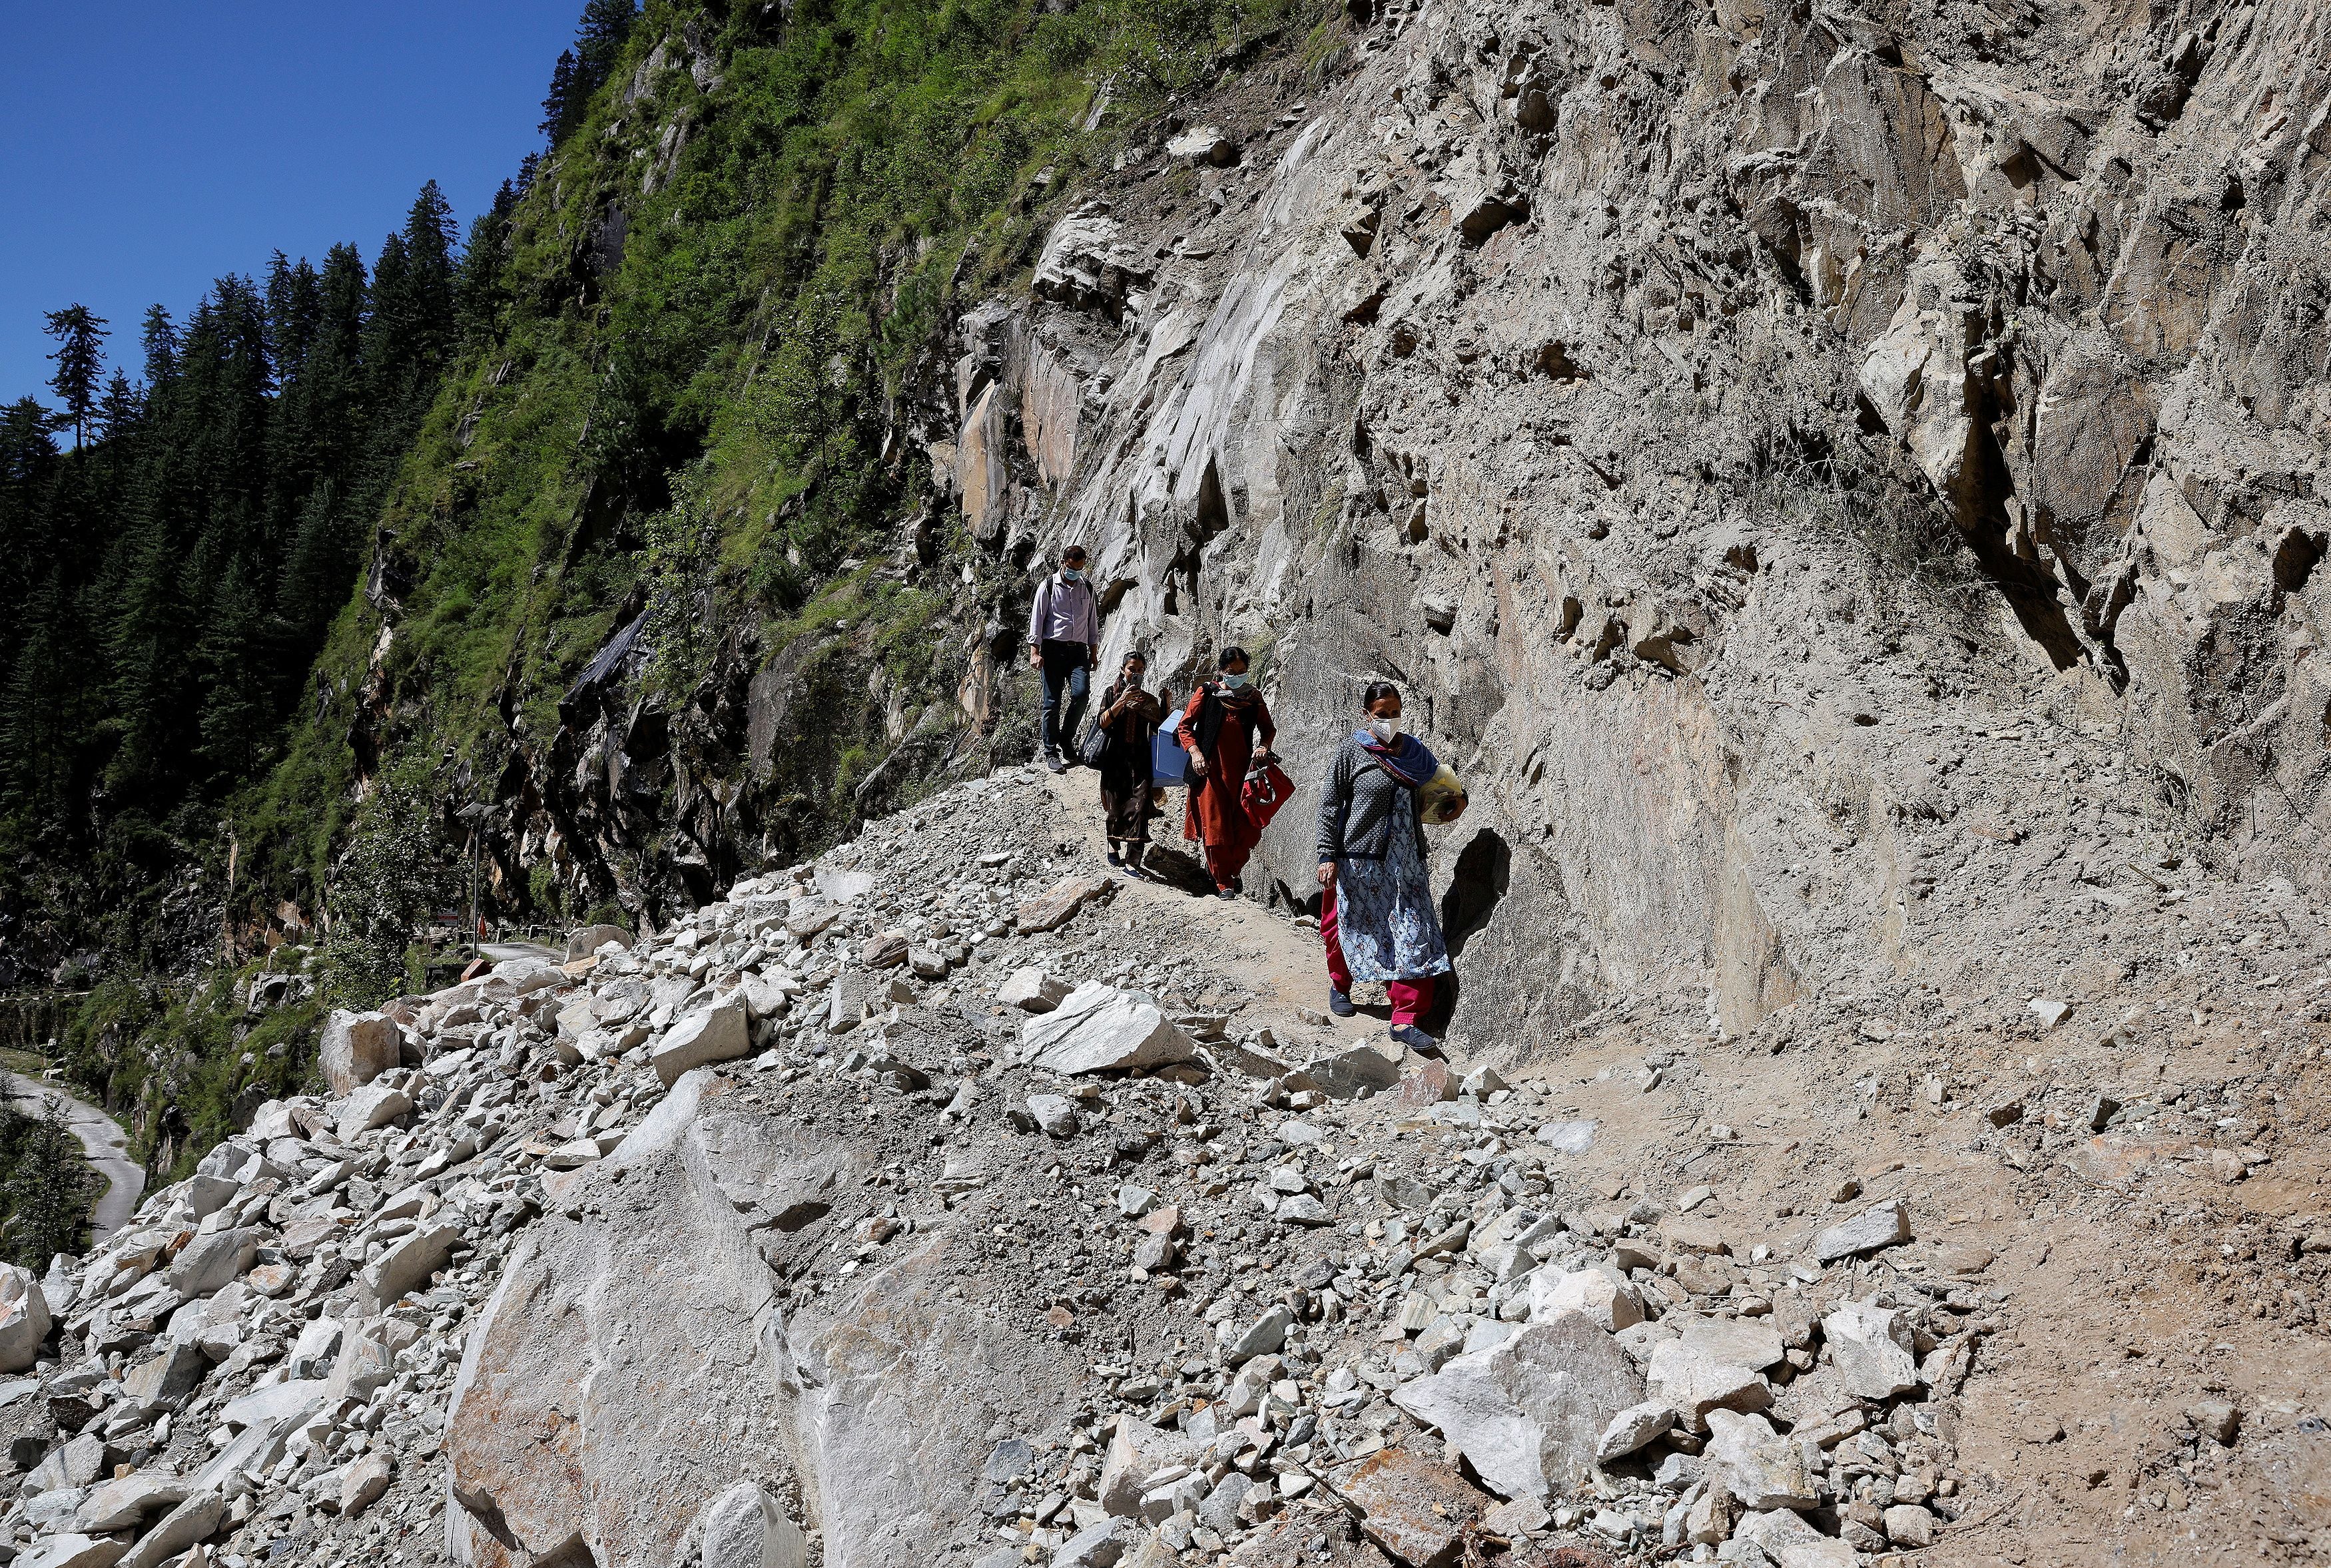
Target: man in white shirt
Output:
[{"x": 1064, "y": 645}]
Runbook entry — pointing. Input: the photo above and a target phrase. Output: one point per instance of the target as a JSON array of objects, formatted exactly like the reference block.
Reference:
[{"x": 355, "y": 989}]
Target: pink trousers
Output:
[{"x": 1410, "y": 998}]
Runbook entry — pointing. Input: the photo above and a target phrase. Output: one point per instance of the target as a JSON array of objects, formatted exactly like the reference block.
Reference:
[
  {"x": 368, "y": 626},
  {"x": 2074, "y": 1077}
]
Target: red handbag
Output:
[{"x": 1266, "y": 789}]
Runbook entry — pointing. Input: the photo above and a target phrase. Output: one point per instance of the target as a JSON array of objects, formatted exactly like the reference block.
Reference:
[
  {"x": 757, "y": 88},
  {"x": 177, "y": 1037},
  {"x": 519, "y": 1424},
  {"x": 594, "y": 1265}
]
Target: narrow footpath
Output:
[{"x": 106, "y": 1144}]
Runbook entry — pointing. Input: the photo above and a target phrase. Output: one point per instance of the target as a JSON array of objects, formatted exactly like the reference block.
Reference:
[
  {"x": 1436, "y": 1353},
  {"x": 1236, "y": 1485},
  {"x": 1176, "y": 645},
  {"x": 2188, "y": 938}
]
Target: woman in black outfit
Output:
[{"x": 1128, "y": 717}]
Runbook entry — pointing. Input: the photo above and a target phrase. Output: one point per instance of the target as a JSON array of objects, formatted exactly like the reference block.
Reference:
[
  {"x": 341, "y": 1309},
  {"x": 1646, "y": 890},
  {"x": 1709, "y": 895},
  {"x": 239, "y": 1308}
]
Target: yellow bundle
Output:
[{"x": 1442, "y": 798}]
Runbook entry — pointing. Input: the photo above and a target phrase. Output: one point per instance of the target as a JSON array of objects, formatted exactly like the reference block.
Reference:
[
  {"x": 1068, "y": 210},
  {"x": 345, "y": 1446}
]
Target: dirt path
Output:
[
  {"x": 2122, "y": 1286},
  {"x": 106, "y": 1144},
  {"x": 1281, "y": 958}
]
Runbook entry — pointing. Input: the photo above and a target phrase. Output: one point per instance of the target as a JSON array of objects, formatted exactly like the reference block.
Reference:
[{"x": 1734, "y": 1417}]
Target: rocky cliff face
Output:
[{"x": 1825, "y": 478}]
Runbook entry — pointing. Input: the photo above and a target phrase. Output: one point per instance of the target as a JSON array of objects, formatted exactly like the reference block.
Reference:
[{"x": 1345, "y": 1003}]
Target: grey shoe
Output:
[{"x": 1052, "y": 760}]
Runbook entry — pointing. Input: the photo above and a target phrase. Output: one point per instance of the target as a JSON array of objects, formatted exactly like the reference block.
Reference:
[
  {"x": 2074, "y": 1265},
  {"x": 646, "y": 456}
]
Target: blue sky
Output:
[{"x": 150, "y": 148}]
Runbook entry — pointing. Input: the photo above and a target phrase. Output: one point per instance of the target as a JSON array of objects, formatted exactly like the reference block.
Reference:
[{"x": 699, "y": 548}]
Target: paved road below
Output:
[
  {"x": 502, "y": 952},
  {"x": 107, "y": 1147}
]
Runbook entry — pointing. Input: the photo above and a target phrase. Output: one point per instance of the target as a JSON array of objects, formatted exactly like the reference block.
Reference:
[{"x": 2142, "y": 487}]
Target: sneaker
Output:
[
  {"x": 1132, "y": 874},
  {"x": 1415, "y": 1039},
  {"x": 1115, "y": 858},
  {"x": 1340, "y": 1003},
  {"x": 1226, "y": 892},
  {"x": 1052, "y": 760}
]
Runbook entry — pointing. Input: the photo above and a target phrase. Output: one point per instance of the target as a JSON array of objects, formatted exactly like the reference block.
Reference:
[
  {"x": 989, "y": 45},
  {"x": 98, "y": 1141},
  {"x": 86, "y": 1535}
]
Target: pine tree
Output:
[
  {"x": 317, "y": 574},
  {"x": 562, "y": 106},
  {"x": 159, "y": 339},
  {"x": 480, "y": 296},
  {"x": 37, "y": 727},
  {"x": 80, "y": 361},
  {"x": 119, "y": 412},
  {"x": 580, "y": 71},
  {"x": 237, "y": 707},
  {"x": 51, "y": 1184},
  {"x": 599, "y": 40}
]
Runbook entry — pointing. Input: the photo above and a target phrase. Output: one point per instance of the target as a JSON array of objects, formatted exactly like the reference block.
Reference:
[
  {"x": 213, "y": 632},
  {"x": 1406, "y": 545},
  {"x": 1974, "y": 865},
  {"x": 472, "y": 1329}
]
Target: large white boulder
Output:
[
  {"x": 743, "y": 1527},
  {"x": 24, "y": 1319},
  {"x": 1529, "y": 1413},
  {"x": 376, "y": 1104},
  {"x": 1871, "y": 1347},
  {"x": 1610, "y": 1302},
  {"x": 717, "y": 1034},
  {"x": 1098, "y": 1028},
  {"x": 357, "y": 1048},
  {"x": 409, "y": 1262}
]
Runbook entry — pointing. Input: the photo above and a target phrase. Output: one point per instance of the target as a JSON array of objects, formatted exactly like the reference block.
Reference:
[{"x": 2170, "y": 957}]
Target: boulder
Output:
[
  {"x": 1137, "y": 1452},
  {"x": 127, "y": 1502},
  {"x": 717, "y": 1034},
  {"x": 376, "y": 1104},
  {"x": 1875, "y": 1229},
  {"x": 1872, "y": 1350},
  {"x": 1760, "y": 1467},
  {"x": 1909, "y": 1525},
  {"x": 1055, "y": 1114},
  {"x": 1610, "y": 1302},
  {"x": 1746, "y": 1342},
  {"x": 74, "y": 1550},
  {"x": 357, "y": 1048},
  {"x": 24, "y": 1319},
  {"x": 1362, "y": 1067},
  {"x": 1694, "y": 1383},
  {"x": 211, "y": 1261},
  {"x": 1416, "y": 1509},
  {"x": 1099, "y": 1028},
  {"x": 616, "y": 1332},
  {"x": 1203, "y": 144},
  {"x": 1264, "y": 1336},
  {"x": 272, "y": 1405},
  {"x": 584, "y": 943},
  {"x": 1031, "y": 989},
  {"x": 363, "y": 1483},
  {"x": 190, "y": 1521},
  {"x": 1633, "y": 1429},
  {"x": 1529, "y": 1413},
  {"x": 743, "y": 1527},
  {"x": 209, "y": 1194},
  {"x": 160, "y": 1380},
  {"x": 409, "y": 1262},
  {"x": 1053, "y": 907},
  {"x": 1097, "y": 1545}
]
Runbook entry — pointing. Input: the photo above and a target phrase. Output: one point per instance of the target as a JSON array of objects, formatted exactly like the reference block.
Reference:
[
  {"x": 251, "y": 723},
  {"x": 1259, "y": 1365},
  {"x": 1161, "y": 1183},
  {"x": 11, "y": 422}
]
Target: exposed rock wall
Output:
[{"x": 1825, "y": 478}]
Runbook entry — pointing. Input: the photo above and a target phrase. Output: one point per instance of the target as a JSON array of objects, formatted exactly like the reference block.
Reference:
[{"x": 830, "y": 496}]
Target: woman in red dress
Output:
[{"x": 1225, "y": 728}]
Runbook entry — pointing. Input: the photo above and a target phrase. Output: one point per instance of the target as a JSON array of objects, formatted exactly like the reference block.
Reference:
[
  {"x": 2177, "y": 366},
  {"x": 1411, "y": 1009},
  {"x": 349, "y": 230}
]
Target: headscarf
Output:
[{"x": 1407, "y": 760}]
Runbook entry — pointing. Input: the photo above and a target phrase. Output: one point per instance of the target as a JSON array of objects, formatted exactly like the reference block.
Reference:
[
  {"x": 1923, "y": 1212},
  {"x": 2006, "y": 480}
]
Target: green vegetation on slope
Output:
[
  {"x": 686, "y": 365},
  {"x": 716, "y": 306}
]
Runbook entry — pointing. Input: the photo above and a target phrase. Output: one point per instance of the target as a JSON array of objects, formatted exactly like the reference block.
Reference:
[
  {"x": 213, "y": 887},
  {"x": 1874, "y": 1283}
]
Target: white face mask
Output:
[
  {"x": 1233, "y": 681},
  {"x": 1385, "y": 730}
]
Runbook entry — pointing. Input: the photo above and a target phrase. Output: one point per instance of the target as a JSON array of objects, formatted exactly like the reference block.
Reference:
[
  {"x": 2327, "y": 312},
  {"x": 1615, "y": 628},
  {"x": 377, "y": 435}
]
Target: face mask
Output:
[
  {"x": 1385, "y": 730},
  {"x": 1072, "y": 574},
  {"x": 1233, "y": 681}
]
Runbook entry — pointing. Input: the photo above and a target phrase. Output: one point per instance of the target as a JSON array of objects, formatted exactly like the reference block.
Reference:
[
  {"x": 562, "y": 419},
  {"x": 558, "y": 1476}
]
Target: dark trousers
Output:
[{"x": 1064, "y": 667}]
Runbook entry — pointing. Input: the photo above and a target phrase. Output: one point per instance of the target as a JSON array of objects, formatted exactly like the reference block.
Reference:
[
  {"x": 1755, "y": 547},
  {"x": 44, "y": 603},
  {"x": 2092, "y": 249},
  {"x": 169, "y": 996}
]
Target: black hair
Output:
[
  {"x": 1376, "y": 692},
  {"x": 1074, "y": 549},
  {"x": 1231, "y": 656},
  {"x": 1132, "y": 654}
]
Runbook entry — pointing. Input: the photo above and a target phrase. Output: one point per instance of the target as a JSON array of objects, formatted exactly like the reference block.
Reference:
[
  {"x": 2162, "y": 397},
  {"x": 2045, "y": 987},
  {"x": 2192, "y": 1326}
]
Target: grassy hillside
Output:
[{"x": 693, "y": 352}]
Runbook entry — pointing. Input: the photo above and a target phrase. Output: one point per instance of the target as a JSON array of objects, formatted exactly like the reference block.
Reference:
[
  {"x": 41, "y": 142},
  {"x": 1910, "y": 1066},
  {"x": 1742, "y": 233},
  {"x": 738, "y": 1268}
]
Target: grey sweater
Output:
[{"x": 1360, "y": 805}]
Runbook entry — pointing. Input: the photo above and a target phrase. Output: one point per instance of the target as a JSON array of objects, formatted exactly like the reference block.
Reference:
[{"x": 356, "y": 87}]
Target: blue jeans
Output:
[{"x": 1064, "y": 666}]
